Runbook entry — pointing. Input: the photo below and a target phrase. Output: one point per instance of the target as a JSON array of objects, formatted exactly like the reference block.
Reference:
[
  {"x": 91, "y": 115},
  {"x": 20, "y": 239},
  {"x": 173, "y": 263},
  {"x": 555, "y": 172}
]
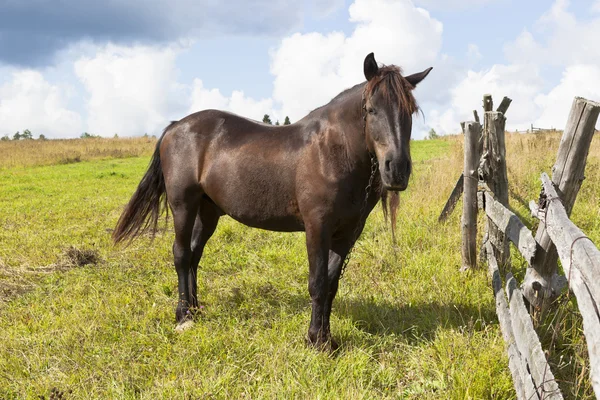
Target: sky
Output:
[{"x": 128, "y": 67}]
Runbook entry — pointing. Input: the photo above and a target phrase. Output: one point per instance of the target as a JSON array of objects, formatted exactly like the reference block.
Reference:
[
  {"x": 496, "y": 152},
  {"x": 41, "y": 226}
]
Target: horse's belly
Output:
[
  {"x": 263, "y": 214},
  {"x": 266, "y": 204},
  {"x": 272, "y": 224}
]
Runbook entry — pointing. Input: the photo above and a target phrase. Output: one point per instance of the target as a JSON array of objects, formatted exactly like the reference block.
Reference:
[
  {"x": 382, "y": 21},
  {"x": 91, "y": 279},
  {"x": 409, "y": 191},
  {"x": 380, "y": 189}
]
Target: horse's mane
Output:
[{"x": 394, "y": 88}]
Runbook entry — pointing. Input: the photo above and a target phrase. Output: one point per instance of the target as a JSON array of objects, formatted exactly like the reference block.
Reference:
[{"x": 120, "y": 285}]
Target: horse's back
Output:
[{"x": 247, "y": 169}]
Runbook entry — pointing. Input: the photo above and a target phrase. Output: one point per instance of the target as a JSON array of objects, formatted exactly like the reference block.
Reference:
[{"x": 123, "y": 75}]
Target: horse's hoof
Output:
[
  {"x": 333, "y": 345},
  {"x": 184, "y": 326},
  {"x": 325, "y": 345}
]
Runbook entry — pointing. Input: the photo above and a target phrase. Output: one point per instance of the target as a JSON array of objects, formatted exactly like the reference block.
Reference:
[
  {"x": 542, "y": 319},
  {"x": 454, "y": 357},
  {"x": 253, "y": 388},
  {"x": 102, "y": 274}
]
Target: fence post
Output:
[
  {"x": 472, "y": 131},
  {"x": 488, "y": 104},
  {"x": 567, "y": 174},
  {"x": 496, "y": 176}
]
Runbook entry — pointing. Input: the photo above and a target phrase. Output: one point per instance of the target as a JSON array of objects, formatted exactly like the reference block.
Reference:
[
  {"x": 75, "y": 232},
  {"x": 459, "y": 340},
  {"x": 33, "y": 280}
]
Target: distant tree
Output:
[
  {"x": 116, "y": 136},
  {"x": 432, "y": 134},
  {"x": 86, "y": 135},
  {"x": 17, "y": 136},
  {"x": 26, "y": 134},
  {"x": 146, "y": 135},
  {"x": 42, "y": 137},
  {"x": 287, "y": 120},
  {"x": 267, "y": 119},
  {"x": 4, "y": 138},
  {"x": 277, "y": 122}
]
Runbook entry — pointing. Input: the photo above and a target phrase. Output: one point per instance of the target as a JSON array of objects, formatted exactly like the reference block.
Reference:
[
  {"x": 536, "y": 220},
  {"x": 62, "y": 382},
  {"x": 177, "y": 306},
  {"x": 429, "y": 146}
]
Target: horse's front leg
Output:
[
  {"x": 337, "y": 256},
  {"x": 317, "y": 246}
]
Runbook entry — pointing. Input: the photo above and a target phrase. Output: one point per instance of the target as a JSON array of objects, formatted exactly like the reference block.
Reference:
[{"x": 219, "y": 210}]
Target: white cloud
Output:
[
  {"x": 558, "y": 39},
  {"x": 237, "y": 103},
  {"x": 28, "y": 101},
  {"x": 132, "y": 90},
  {"x": 312, "y": 68},
  {"x": 578, "y": 80},
  {"x": 519, "y": 82},
  {"x": 567, "y": 44}
]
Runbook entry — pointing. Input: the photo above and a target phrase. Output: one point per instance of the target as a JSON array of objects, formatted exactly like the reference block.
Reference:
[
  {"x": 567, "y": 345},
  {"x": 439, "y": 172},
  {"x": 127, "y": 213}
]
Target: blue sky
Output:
[{"x": 128, "y": 67}]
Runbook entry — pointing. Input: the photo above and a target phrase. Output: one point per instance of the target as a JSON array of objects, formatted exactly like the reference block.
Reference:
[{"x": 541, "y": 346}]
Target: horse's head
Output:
[{"x": 388, "y": 108}]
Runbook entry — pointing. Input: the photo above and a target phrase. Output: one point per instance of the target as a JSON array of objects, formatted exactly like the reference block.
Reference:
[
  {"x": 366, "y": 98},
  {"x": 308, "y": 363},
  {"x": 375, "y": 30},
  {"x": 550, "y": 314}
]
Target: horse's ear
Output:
[
  {"x": 370, "y": 66},
  {"x": 414, "y": 79}
]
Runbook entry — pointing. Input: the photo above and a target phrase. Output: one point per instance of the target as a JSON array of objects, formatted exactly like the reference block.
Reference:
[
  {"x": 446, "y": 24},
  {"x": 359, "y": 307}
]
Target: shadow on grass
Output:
[{"x": 414, "y": 322}]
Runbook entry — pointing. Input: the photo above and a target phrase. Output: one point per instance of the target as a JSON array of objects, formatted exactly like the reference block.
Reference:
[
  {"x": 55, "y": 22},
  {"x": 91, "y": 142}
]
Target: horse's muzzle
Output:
[{"x": 395, "y": 173}]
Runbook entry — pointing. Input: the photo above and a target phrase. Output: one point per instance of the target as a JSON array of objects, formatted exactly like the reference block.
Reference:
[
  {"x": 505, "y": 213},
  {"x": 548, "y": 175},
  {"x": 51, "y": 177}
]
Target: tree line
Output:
[
  {"x": 267, "y": 120},
  {"x": 27, "y": 135}
]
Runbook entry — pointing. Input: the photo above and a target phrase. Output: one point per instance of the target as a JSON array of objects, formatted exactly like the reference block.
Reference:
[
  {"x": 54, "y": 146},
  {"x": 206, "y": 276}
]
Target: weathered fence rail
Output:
[
  {"x": 520, "y": 373},
  {"x": 580, "y": 258},
  {"x": 567, "y": 175},
  {"x": 511, "y": 226}
]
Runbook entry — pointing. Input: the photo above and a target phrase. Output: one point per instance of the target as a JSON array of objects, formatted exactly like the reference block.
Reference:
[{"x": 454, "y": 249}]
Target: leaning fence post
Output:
[
  {"x": 567, "y": 175},
  {"x": 471, "y": 131}
]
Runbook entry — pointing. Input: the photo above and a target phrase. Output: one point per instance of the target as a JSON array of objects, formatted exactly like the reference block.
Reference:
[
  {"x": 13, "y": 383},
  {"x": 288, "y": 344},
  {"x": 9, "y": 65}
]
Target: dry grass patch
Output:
[{"x": 28, "y": 153}]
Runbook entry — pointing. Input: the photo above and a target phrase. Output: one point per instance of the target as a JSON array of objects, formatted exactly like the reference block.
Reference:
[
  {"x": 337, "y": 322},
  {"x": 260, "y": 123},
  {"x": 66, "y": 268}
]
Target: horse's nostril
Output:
[{"x": 387, "y": 165}]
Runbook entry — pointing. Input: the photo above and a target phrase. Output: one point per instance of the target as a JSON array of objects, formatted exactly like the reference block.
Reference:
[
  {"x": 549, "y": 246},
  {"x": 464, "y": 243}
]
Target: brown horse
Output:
[{"x": 322, "y": 175}]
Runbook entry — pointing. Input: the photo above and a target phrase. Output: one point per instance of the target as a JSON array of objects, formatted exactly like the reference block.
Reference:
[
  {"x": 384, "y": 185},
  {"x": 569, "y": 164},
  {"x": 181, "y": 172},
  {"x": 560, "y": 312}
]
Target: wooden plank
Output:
[
  {"x": 504, "y": 104},
  {"x": 453, "y": 199},
  {"x": 522, "y": 380},
  {"x": 476, "y": 116},
  {"x": 580, "y": 259},
  {"x": 472, "y": 131},
  {"x": 528, "y": 343},
  {"x": 567, "y": 175},
  {"x": 511, "y": 226}
]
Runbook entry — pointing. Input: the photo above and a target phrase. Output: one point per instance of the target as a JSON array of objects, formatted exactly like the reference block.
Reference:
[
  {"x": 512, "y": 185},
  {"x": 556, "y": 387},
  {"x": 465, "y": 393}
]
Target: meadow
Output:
[{"x": 96, "y": 321}]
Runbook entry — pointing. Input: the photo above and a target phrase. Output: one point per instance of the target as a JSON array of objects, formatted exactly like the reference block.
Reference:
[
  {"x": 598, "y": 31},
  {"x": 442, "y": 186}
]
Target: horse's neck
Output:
[{"x": 352, "y": 128}]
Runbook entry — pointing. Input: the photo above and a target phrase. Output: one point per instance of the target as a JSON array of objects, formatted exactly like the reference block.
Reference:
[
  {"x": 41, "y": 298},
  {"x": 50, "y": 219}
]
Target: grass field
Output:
[{"x": 81, "y": 315}]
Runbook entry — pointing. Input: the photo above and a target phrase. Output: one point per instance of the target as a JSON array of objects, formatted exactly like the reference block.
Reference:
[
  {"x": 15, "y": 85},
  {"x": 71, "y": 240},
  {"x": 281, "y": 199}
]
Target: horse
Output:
[{"x": 322, "y": 175}]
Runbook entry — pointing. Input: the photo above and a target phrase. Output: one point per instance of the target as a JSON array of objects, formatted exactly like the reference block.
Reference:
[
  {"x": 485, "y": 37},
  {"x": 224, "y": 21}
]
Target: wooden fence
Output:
[{"x": 485, "y": 186}]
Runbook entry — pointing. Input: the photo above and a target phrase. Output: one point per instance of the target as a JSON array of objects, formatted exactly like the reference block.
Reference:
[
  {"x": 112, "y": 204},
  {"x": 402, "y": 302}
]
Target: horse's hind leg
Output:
[
  {"x": 184, "y": 216},
  {"x": 207, "y": 219}
]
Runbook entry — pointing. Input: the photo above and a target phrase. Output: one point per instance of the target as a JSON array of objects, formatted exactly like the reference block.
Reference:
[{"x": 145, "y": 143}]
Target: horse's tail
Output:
[{"x": 147, "y": 203}]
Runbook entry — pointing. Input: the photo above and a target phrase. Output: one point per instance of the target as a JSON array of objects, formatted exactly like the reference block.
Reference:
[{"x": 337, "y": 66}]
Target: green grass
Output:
[{"x": 410, "y": 325}]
